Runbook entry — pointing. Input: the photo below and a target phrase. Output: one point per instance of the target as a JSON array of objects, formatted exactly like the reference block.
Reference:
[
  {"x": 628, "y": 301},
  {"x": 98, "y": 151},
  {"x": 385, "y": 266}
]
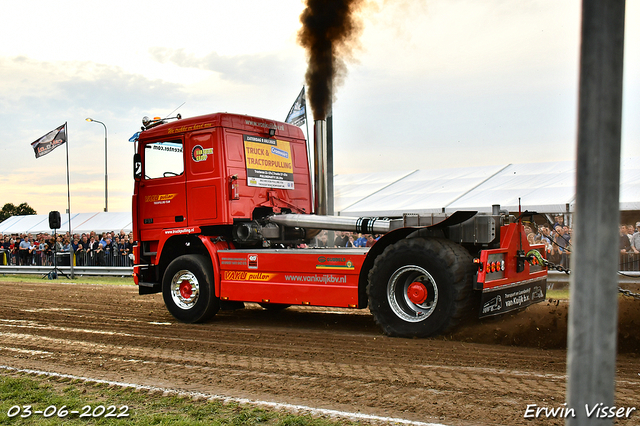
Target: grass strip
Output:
[
  {"x": 88, "y": 279},
  {"x": 101, "y": 404}
]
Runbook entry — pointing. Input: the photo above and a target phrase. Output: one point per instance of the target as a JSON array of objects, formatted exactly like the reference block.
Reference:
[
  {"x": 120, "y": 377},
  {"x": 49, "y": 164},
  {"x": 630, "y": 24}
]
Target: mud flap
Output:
[{"x": 510, "y": 298}]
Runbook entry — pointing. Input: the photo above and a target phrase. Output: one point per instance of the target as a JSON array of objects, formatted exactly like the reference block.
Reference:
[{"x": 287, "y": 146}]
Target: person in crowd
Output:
[
  {"x": 80, "y": 251},
  {"x": 321, "y": 239},
  {"x": 24, "y": 251},
  {"x": 341, "y": 239},
  {"x": 630, "y": 231},
  {"x": 370, "y": 240},
  {"x": 75, "y": 243},
  {"x": 559, "y": 220},
  {"x": 562, "y": 242},
  {"x": 41, "y": 257},
  {"x": 361, "y": 241},
  {"x": 5, "y": 250},
  {"x": 635, "y": 238},
  {"x": 129, "y": 249},
  {"x": 625, "y": 244},
  {"x": 114, "y": 251},
  {"x": 66, "y": 246},
  {"x": 545, "y": 235},
  {"x": 59, "y": 245},
  {"x": 92, "y": 246},
  {"x": 33, "y": 251},
  {"x": 351, "y": 242},
  {"x": 118, "y": 251},
  {"x": 99, "y": 255},
  {"x": 531, "y": 238}
]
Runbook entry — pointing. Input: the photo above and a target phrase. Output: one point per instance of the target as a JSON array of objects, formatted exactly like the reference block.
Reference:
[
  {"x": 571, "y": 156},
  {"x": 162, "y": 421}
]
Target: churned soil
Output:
[{"x": 483, "y": 374}]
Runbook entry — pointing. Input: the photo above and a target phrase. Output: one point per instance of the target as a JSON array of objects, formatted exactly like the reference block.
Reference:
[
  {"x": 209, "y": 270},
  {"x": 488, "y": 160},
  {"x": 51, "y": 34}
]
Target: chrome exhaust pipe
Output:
[{"x": 364, "y": 225}]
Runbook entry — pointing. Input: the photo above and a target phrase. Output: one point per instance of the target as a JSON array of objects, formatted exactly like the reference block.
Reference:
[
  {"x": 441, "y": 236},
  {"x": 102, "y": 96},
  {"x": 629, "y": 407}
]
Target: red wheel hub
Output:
[
  {"x": 417, "y": 293},
  {"x": 185, "y": 289}
]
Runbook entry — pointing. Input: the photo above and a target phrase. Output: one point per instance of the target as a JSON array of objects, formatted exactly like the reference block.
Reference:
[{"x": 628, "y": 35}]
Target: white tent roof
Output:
[
  {"x": 543, "y": 187},
  {"x": 80, "y": 222},
  {"x": 630, "y": 184}
]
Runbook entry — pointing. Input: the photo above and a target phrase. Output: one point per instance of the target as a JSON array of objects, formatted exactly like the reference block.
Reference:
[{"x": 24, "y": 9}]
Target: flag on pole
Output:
[
  {"x": 298, "y": 112},
  {"x": 50, "y": 141}
]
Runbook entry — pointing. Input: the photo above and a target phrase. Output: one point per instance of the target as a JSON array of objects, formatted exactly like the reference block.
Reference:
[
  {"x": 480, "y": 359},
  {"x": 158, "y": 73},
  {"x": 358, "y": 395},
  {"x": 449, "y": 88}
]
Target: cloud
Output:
[
  {"x": 252, "y": 69},
  {"x": 36, "y": 96}
]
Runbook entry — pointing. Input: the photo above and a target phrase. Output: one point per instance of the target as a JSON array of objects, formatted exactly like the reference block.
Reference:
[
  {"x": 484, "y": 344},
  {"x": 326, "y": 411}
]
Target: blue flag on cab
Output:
[
  {"x": 298, "y": 112},
  {"x": 50, "y": 141}
]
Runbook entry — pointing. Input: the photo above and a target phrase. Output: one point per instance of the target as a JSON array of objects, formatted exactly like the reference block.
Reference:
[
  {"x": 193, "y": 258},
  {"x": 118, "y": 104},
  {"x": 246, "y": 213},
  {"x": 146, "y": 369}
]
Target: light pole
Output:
[{"x": 106, "y": 179}]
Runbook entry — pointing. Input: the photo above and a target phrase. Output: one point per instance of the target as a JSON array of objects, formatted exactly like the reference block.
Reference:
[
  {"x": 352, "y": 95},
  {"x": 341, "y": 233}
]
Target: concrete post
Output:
[{"x": 591, "y": 356}]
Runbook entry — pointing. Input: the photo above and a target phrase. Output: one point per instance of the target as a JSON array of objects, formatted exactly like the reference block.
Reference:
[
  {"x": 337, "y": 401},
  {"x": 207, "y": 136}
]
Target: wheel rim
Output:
[
  {"x": 185, "y": 289},
  {"x": 412, "y": 293}
]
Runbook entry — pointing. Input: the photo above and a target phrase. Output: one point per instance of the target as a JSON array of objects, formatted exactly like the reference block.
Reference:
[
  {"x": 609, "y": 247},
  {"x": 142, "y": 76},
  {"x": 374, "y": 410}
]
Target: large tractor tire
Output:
[
  {"x": 421, "y": 287},
  {"x": 188, "y": 289}
]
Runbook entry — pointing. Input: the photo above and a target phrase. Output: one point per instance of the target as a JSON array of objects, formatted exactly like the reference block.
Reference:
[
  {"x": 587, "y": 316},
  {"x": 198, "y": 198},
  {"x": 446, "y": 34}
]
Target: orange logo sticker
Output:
[{"x": 160, "y": 197}]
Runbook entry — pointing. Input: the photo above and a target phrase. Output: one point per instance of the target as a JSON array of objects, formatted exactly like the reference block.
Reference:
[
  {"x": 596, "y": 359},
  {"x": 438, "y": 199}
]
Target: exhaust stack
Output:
[{"x": 321, "y": 201}]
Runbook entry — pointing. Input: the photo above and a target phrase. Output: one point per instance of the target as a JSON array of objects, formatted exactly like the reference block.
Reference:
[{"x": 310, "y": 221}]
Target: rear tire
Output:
[
  {"x": 188, "y": 289},
  {"x": 421, "y": 287}
]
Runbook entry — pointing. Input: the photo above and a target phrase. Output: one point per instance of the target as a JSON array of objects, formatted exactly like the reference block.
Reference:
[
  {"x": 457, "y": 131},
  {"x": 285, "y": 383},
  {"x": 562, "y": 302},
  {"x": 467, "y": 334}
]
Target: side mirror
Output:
[{"x": 137, "y": 166}]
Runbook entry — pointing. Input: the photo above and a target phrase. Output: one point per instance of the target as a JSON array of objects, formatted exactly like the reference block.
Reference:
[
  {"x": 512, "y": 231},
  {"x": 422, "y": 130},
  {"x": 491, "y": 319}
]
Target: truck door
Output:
[
  {"x": 204, "y": 178},
  {"x": 162, "y": 200}
]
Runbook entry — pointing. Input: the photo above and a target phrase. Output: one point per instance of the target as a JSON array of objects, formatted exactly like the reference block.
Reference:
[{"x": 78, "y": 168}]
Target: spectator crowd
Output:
[
  {"x": 89, "y": 249},
  {"x": 115, "y": 249},
  {"x": 556, "y": 238}
]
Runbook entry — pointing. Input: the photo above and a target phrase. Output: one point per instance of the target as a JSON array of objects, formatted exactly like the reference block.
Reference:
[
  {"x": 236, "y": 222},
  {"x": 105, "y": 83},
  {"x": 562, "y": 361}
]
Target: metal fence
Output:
[
  {"x": 629, "y": 262},
  {"x": 80, "y": 258}
]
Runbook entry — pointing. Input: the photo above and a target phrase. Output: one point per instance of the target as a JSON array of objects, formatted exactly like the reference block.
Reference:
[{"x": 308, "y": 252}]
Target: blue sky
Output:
[{"x": 434, "y": 84}]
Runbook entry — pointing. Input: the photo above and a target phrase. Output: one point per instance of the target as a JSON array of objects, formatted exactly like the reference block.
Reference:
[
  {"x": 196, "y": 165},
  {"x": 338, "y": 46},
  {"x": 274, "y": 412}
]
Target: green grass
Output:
[
  {"x": 558, "y": 294},
  {"x": 42, "y": 393},
  {"x": 89, "y": 279}
]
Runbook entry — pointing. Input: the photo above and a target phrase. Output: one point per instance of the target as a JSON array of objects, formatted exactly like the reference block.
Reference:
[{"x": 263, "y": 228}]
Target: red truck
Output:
[{"x": 222, "y": 203}]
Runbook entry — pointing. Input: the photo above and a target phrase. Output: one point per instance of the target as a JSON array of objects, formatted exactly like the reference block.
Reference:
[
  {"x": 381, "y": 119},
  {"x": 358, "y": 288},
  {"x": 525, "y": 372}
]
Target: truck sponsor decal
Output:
[
  {"x": 334, "y": 263},
  {"x": 268, "y": 162},
  {"x": 179, "y": 231},
  {"x": 264, "y": 125},
  {"x": 247, "y": 276},
  {"x": 189, "y": 128},
  {"x": 492, "y": 305},
  {"x": 517, "y": 298},
  {"x": 509, "y": 298},
  {"x": 233, "y": 261},
  {"x": 198, "y": 153},
  {"x": 159, "y": 199},
  {"x": 333, "y": 279},
  {"x": 253, "y": 261}
]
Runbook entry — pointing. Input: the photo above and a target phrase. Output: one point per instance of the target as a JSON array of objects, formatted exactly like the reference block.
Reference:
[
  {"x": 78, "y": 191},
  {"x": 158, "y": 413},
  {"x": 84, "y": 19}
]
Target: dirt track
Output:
[{"x": 326, "y": 358}]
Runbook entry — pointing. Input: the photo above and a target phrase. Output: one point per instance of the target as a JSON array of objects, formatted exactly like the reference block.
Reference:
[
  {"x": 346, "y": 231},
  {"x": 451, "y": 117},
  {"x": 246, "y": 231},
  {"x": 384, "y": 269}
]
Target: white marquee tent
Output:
[
  {"x": 80, "y": 222},
  {"x": 543, "y": 187}
]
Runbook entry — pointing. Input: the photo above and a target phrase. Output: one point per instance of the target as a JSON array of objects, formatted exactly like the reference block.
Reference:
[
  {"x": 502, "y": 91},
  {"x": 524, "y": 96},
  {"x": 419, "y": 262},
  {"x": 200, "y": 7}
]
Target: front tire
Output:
[
  {"x": 188, "y": 289},
  {"x": 421, "y": 287}
]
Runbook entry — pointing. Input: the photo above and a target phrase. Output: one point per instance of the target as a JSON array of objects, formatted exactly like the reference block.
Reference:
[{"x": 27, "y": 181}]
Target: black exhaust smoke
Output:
[{"x": 329, "y": 30}]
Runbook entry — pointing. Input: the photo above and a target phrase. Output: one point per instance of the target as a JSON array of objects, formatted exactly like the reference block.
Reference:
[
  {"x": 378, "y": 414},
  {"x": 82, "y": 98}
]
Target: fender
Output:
[
  {"x": 376, "y": 250},
  {"x": 438, "y": 230},
  {"x": 212, "y": 246}
]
